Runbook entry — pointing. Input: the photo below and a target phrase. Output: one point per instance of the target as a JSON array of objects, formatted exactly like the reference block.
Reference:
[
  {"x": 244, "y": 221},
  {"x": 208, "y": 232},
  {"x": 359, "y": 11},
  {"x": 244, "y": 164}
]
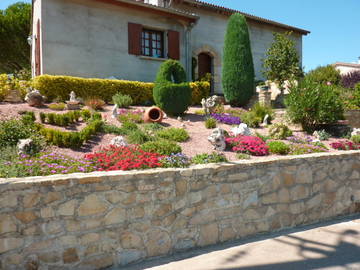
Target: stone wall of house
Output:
[{"x": 90, "y": 221}]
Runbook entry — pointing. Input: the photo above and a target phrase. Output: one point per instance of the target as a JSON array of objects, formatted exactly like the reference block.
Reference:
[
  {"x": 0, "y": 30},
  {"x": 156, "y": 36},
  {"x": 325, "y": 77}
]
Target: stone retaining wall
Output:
[
  {"x": 353, "y": 117},
  {"x": 91, "y": 221}
]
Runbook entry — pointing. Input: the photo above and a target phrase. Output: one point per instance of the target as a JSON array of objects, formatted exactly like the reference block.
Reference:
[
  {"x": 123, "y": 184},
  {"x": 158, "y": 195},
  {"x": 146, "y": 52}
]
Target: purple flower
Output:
[{"x": 226, "y": 118}]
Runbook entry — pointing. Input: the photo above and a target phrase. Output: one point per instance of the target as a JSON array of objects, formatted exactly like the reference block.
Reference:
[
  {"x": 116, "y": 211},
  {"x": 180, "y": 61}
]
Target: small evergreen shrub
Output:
[
  {"x": 322, "y": 135},
  {"x": 62, "y": 120},
  {"x": 162, "y": 147},
  {"x": 242, "y": 156},
  {"x": 171, "y": 91},
  {"x": 261, "y": 111},
  {"x": 251, "y": 119},
  {"x": 355, "y": 139},
  {"x": 174, "y": 134},
  {"x": 209, "y": 158},
  {"x": 13, "y": 130},
  {"x": 138, "y": 137},
  {"x": 280, "y": 131},
  {"x": 95, "y": 103},
  {"x": 278, "y": 148},
  {"x": 57, "y": 106},
  {"x": 324, "y": 75},
  {"x": 210, "y": 123},
  {"x": 312, "y": 104},
  {"x": 123, "y": 101}
]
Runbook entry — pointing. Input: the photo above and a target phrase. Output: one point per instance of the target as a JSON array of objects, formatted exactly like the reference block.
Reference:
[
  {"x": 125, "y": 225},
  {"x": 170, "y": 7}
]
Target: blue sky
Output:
[{"x": 334, "y": 25}]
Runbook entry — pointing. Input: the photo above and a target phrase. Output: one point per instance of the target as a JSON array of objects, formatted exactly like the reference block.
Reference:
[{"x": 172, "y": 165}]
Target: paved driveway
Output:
[{"x": 329, "y": 246}]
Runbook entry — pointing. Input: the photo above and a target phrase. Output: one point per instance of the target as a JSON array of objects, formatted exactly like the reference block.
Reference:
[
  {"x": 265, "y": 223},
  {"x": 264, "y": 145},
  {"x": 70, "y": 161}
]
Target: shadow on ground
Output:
[{"x": 311, "y": 254}]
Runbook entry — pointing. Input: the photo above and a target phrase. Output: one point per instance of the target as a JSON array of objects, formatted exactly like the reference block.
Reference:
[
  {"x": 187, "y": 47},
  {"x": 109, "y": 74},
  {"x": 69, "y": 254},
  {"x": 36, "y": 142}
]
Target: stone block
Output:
[
  {"x": 130, "y": 256},
  {"x": 289, "y": 179},
  {"x": 227, "y": 234},
  {"x": 100, "y": 262},
  {"x": 49, "y": 257},
  {"x": 53, "y": 227},
  {"x": 130, "y": 240},
  {"x": 269, "y": 198},
  {"x": 47, "y": 212},
  {"x": 299, "y": 192},
  {"x": 163, "y": 210},
  {"x": 70, "y": 255},
  {"x": 314, "y": 201},
  {"x": 10, "y": 243},
  {"x": 67, "y": 209},
  {"x": 251, "y": 214},
  {"x": 202, "y": 218},
  {"x": 9, "y": 200},
  {"x": 52, "y": 197},
  {"x": 115, "y": 216},
  {"x": 158, "y": 243},
  {"x": 68, "y": 240},
  {"x": 89, "y": 238},
  {"x": 7, "y": 224},
  {"x": 181, "y": 187},
  {"x": 283, "y": 195},
  {"x": 26, "y": 217},
  {"x": 209, "y": 234},
  {"x": 91, "y": 205},
  {"x": 31, "y": 199},
  {"x": 304, "y": 175}
]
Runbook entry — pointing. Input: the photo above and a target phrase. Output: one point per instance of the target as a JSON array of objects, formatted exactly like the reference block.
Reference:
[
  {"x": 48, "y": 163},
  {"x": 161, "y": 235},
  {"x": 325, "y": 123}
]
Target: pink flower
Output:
[{"x": 328, "y": 83}]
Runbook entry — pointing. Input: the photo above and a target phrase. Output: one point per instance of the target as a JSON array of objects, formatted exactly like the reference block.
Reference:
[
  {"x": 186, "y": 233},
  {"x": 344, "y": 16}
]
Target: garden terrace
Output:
[{"x": 115, "y": 218}]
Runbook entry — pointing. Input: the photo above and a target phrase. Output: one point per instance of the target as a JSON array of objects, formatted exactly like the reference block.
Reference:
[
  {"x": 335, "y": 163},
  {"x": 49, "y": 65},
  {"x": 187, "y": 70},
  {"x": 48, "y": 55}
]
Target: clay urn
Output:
[{"x": 153, "y": 115}]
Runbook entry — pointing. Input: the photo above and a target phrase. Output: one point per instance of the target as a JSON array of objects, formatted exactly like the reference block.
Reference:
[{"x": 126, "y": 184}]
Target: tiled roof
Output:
[{"x": 249, "y": 16}]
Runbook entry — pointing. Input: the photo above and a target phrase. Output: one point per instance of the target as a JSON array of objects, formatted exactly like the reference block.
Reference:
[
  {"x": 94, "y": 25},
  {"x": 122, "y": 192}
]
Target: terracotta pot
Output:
[{"x": 153, "y": 115}]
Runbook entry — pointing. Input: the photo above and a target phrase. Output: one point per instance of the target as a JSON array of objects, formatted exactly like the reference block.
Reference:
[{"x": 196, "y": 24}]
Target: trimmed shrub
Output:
[
  {"x": 324, "y": 75},
  {"x": 278, "y": 147},
  {"x": 95, "y": 103},
  {"x": 123, "y": 101},
  {"x": 138, "y": 137},
  {"x": 173, "y": 134},
  {"x": 162, "y": 147},
  {"x": 210, "y": 123},
  {"x": 280, "y": 131},
  {"x": 62, "y": 120},
  {"x": 312, "y": 104},
  {"x": 209, "y": 158},
  {"x": 350, "y": 79},
  {"x": 60, "y": 87},
  {"x": 171, "y": 92},
  {"x": 238, "y": 68}
]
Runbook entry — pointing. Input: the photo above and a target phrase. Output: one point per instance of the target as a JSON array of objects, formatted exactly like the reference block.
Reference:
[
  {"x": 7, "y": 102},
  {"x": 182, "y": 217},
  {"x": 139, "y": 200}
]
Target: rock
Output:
[
  {"x": 180, "y": 119},
  {"x": 26, "y": 147},
  {"x": 266, "y": 120},
  {"x": 217, "y": 139},
  {"x": 242, "y": 129},
  {"x": 355, "y": 132},
  {"x": 34, "y": 98},
  {"x": 119, "y": 141},
  {"x": 209, "y": 104}
]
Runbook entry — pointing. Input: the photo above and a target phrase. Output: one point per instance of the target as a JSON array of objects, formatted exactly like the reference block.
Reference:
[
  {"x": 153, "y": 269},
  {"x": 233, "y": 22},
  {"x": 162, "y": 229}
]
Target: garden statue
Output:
[
  {"x": 73, "y": 103},
  {"x": 115, "y": 113},
  {"x": 119, "y": 141},
  {"x": 242, "y": 129},
  {"x": 34, "y": 98},
  {"x": 355, "y": 132},
  {"x": 266, "y": 120},
  {"x": 25, "y": 147},
  {"x": 209, "y": 104},
  {"x": 73, "y": 97},
  {"x": 217, "y": 139}
]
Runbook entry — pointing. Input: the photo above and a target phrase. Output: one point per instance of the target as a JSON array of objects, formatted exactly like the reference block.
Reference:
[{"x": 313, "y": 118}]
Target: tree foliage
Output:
[
  {"x": 282, "y": 62},
  {"x": 15, "y": 24},
  {"x": 325, "y": 74},
  {"x": 238, "y": 67}
]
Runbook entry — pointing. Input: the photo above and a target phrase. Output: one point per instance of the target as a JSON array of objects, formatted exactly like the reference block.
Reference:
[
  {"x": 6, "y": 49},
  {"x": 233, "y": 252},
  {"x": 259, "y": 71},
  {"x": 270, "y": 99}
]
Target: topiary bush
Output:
[
  {"x": 171, "y": 91},
  {"x": 238, "y": 67},
  {"x": 312, "y": 104},
  {"x": 324, "y": 75},
  {"x": 280, "y": 131}
]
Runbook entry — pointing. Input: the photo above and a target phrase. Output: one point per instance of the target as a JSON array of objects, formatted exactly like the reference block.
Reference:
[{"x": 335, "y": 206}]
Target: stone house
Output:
[
  {"x": 129, "y": 39},
  {"x": 346, "y": 68}
]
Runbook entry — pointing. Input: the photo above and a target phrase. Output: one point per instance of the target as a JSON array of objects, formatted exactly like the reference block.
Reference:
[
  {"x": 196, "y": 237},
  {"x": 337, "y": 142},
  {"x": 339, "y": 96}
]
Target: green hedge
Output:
[{"x": 61, "y": 86}]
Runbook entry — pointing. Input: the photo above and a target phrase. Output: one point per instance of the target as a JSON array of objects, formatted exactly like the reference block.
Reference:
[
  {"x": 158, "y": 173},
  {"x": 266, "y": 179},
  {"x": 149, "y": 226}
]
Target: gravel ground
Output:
[{"x": 194, "y": 124}]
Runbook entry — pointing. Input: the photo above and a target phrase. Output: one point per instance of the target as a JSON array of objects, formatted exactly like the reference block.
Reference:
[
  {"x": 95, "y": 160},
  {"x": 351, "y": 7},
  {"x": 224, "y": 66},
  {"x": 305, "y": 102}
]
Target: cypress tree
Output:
[{"x": 238, "y": 67}]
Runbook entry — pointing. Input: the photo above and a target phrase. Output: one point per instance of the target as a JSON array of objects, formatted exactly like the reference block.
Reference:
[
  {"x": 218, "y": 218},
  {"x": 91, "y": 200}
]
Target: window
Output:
[{"x": 152, "y": 43}]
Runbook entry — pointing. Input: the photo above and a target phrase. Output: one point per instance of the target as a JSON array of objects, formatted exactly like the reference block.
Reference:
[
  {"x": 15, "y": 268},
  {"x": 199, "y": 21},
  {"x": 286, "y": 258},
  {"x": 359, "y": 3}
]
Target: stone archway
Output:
[{"x": 208, "y": 60}]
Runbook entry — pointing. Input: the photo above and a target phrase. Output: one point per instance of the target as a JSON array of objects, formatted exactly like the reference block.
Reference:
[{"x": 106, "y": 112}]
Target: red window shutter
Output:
[
  {"x": 38, "y": 50},
  {"x": 134, "y": 33},
  {"x": 174, "y": 45}
]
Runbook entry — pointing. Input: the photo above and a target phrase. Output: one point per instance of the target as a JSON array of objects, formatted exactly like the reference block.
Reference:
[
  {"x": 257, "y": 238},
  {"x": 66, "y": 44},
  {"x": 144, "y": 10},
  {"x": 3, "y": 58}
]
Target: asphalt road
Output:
[{"x": 327, "y": 246}]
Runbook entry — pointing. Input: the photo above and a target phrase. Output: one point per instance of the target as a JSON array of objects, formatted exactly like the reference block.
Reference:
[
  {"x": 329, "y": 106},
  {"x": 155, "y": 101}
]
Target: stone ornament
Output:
[
  {"x": 266, "y": 120},
  {"x": 209, "y": 104},
  {"x": 25, "y": 146},
  {"x": 34, "y": 98},
  {"x": 73, "y": 103},
  {"x": 114, "y": 112},
  {"x": 242, "y": 129},
  {"x": 119, "y": 141},
  {"x": 217, "y": 139}
]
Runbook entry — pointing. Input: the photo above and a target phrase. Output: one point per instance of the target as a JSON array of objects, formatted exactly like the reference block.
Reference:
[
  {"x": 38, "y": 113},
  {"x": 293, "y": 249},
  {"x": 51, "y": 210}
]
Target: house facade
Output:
[
  {"x": 346, "y": 68},
  {"x": 129, "y": 39}
]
